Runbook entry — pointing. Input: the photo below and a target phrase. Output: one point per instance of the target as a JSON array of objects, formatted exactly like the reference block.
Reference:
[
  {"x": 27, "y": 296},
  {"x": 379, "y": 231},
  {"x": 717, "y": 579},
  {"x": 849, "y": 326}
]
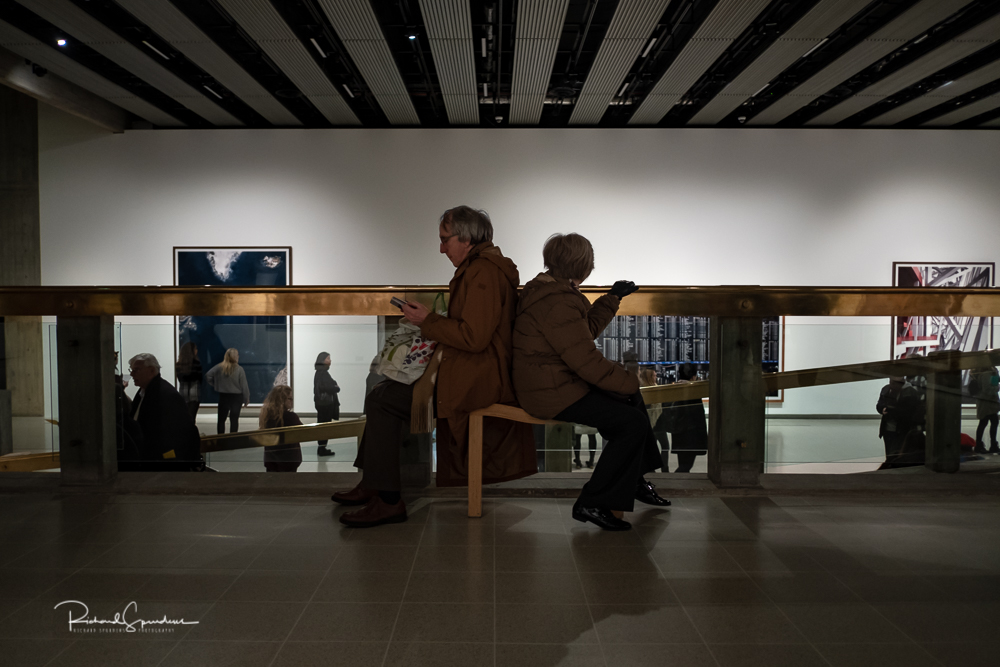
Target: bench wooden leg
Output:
[{"x": 475, "y": 465}]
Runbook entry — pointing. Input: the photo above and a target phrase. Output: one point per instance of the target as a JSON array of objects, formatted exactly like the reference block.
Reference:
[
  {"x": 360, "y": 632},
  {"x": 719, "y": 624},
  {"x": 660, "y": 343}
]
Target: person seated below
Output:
[
  {"x": 170, "y": 439},
  {"x": 276, "y": 413},
  {"x": 560, "y": 374},
  {"x": 474, "y": 348}
]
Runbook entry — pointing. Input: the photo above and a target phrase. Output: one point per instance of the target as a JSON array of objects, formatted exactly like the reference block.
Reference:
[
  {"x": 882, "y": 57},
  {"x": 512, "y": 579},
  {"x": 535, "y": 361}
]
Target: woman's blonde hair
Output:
[
  {"x": 647, "y": 377},
  {"x": 273, "y": 409},
  {"x": 231, "y": 361},
  {"x": 568, "y": 256}
]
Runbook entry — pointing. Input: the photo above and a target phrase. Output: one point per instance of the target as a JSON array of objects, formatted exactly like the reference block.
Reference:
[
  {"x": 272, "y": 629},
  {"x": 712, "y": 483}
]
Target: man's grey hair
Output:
[
  {"x": 468, "y": 224},
  {"x": 146, "y": 359}
]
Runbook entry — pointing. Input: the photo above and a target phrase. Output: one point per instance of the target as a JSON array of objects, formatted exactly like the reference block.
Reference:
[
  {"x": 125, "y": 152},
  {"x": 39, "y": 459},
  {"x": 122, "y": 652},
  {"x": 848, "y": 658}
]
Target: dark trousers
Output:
[
  {"x": 387, "y": 409},
  {"x": 630, "y": 449},
  {"x": 230, "y": 406},
  {"x": 685, "y": 460},
  {"x": 326, "y": 413},
  {"x": 578, "y": 442},
  {"x": 193, "y": 409},
  {"x": 992, "y": 420}
]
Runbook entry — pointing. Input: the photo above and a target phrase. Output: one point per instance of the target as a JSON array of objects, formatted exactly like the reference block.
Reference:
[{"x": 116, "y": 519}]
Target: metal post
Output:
[
  {"x": 85, "y": 347},
  {"x": 736, "y": 402},
  {"x": 944, "y": 416}
]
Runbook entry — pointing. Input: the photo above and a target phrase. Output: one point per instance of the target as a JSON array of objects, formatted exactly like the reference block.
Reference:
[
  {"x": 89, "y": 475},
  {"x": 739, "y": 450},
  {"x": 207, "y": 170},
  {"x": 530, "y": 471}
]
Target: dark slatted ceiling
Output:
[{"x": 548, "y": 63}]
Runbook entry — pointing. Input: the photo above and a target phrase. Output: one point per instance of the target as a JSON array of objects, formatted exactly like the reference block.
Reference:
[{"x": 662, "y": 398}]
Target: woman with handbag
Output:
[
  {"x": 325, "y": 390},
  {"x": 560, "y": 374}
]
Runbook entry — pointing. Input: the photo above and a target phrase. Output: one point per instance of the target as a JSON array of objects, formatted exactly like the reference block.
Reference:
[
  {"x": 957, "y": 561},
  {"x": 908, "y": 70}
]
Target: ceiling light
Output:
[
  {"x": 485, "y": 91},
  {"x": 61, "y": 42},
  {"x": 212, "y": 91},
  {"x": 761, "y": 89},
  {"x": 622, "y": 91},
  {"x": 348, "y": 91},
  {"x": 646, "y": 52},
  {"x": 483, "y": 43},
  {"x": 947, "y": 84},
  {"x": 316, "y": 44},
  {"x": 412, "y": 36},
  {"x": 161, "y": 53},
  {"x": 810, "y": 51}
]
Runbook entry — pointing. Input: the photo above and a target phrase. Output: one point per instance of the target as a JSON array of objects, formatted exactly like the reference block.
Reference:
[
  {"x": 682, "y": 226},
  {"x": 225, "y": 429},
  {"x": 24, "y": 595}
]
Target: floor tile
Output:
[
  {"x": 626, "y": 588},
  {"x": 286, "y": 556},
  {"x": 743, "y": 624},
  {"x": 553, "y": 535},
  {"x": 362, "y": 586},
  {"x": 186, "y": 584},
  {"x": 461, "y": 586},
  {"x": 714, "y": 588},
  {"x": 331, "y": 654},
  {"x": 582, "y": 536},
  {"x": 842, "y": 623},
  {"x": 214, "y": 653},
  {"x": 247, "y": 621},
  {"x": 694, "y": 557},
  {"x": 21, "y": 584},
  {"x": 963, "y": 654},
  {"x": 661, "y": 655},
  {"x": 550, "y": 655},
  {"x": 877, "y": 655},
  {"x": 274, "y": 586},
  {"x": 544, "y": 623},
  {"x": 355, "y": 558},
  {"x": 429, "y": 654},
  {"x": 407, "y": 534},
  {"x": 326, "y": 532},
  {"x": 936, "y": 622},
  {"x": 93, "y": 584},
  {"x": 451, "y": 558},
  {"x": 219, "y": 553},
  {"x": 803, "y": 587},
  {"x": 58, "y": 556},
  {"x": 458, "y": 534},
  {"x": 346, "y": 621},
  {"x": 102, "y": 653},
  {"x": 643, "y": 624},
  {"x": 534, "y": 559},
  {"x": 614, "y": 559},
  {"x": 877, "y": 588},
  {"x": 539, "y": 587},
  {"x": 444, "y": 622},
  {"x": 140, "y": 555},
  {"x": 773, "y": 655},
  {"x": 30, "y": 652}
]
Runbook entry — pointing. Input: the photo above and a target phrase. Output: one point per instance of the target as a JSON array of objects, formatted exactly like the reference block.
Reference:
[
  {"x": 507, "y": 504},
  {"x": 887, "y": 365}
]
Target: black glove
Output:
[{"x": 622, "y": 288}]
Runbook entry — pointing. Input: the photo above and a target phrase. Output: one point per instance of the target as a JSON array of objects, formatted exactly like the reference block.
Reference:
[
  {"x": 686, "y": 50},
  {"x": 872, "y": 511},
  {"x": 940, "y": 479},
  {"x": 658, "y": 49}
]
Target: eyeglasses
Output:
[{"x": 445, "y": 239}]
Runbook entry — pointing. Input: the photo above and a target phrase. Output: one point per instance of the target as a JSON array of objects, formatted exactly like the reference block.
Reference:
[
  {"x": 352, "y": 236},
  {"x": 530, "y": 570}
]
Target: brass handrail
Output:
[
  {"x": 726, "y": 301},
  {"x": 284, "y": 435}
]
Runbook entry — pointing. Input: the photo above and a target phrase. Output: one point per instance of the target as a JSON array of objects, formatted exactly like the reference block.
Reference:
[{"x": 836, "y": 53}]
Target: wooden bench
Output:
[
  {"x": 29, "y": 461},
  {"x": 508, "y": 412}
]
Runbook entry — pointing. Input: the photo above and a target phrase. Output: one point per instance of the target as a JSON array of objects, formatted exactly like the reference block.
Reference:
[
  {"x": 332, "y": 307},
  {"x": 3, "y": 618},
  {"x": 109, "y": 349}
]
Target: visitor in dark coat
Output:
[
  {"x": 685, "y": 420},
  {"x": 984, "y": 384},
  {"x": 325, "y": 390},
  {"x": 902, "y": 410},
  {"x": 170, "y": 440},
  {"x": 276, "y": 412}
]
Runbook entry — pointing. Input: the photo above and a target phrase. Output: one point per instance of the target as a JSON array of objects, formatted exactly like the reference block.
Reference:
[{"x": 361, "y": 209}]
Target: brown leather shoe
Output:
[
  {"x": 375, "y": 513},
  {"x": 356, "y": 496}
]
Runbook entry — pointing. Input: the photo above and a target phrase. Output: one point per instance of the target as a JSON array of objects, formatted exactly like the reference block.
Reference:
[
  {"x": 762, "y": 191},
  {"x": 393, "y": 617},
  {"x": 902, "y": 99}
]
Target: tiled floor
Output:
[{"x": 712, "y": 581}]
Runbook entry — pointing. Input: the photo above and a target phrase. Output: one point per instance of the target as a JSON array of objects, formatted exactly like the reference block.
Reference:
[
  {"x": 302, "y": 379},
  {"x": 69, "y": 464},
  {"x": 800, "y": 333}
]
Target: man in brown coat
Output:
[
  {"x": 475, "y": 344},
  {"x": 560, "y": 374}
]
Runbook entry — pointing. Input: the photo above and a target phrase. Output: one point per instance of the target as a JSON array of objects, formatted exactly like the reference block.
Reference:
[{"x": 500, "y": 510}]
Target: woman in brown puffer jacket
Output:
[{"x": 560, "y": 374}]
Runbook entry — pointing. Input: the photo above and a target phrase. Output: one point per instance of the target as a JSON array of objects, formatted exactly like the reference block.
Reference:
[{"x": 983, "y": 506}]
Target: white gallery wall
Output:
[{"x": 661, "y": 206}]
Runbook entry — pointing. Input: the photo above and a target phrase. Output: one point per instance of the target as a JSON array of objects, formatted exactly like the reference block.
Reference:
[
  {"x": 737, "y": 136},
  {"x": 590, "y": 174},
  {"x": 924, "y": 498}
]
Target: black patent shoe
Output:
[
  {"x": 600, "y": 517},
  {"x": 646, "y": 493}
]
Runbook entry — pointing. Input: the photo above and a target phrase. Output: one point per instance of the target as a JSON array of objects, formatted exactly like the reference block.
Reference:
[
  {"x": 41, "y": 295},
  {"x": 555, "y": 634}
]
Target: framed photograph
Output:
[
  {"x": 264, "y": 343},
  {"x": 918, "y": 335}
]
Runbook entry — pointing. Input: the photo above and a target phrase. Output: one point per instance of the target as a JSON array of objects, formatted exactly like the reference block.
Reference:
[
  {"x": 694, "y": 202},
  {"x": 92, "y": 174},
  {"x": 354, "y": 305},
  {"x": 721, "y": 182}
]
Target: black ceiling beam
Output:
[
  {"x": 991, "y": 88},
  {"x": 962, "y": 21},
  {"x": 27, "y": 21},
  {"x": 584, "y": 29},
  {"x": 213, "y": 20},
  {"x": 678, "y": 24},
  {"x": 308, "y": 22},
  {"x": 774, "y": 21},
  {"x": 927, "y": 84},
  {"x": 141, "y": 36}
]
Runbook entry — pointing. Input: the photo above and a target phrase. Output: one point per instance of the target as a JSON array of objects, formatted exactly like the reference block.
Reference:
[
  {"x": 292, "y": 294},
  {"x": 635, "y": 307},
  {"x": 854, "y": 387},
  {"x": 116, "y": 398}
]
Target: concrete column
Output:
[
  {"x": 736, "y": 433},
  {"x": 6, "y": 424},
  {"x": 944, "y": 418},
  {"x": 86, "y": 400},
  {"x": 20, "y": 249}
]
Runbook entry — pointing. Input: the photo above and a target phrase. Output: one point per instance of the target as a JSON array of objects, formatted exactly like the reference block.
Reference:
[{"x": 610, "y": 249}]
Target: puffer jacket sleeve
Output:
[
  {"x": 480, "y": 316},
  {"x": 569, "y": 334},
  {"x": 600, "y": 314}
]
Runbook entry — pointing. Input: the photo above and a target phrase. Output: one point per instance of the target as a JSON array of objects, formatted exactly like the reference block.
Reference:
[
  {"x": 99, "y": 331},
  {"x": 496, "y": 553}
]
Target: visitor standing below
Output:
[
  {"x": 189, "y": 375},
  {"x": 230, "y": 380},
  {"x": 560, "y": 374},
  {"x": 984, "y": 385},
  {"x": 276, "y": 412},
  {"x": 325, "y": 390}
]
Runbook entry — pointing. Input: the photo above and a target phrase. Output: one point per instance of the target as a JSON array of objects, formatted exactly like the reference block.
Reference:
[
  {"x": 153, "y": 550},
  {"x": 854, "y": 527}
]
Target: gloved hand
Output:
[{"x": 622, "y": 288}]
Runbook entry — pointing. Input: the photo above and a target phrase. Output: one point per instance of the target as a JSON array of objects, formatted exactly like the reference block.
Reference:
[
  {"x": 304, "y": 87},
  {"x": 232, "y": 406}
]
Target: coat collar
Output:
[{"x": 474, "y": 252}]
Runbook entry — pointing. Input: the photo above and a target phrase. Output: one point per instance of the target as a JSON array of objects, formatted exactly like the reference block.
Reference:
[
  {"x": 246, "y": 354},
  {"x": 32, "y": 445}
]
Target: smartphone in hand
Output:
[{"x": 396, "y": 301}]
